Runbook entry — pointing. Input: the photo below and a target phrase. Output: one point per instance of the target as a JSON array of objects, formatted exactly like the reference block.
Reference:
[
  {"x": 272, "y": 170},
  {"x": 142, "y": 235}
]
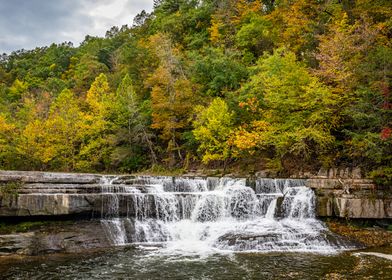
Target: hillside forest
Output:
[{"x": 283, "y": 85}]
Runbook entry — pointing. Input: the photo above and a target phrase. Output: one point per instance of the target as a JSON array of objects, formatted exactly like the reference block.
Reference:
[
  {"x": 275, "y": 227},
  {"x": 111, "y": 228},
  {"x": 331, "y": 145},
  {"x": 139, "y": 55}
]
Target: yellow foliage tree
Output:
[
  {"x": 54, "y": 142},
  {"x": 295, "y": 22},
  {"x": 212, "y": 128},
  {"x": 7, "y": 133},
  {"x": 98, "y": 141}
]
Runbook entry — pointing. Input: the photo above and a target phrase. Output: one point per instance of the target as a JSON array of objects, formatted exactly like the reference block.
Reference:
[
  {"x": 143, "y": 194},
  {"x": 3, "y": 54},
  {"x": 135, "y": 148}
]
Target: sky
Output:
[{"x": 26, "y": 24}]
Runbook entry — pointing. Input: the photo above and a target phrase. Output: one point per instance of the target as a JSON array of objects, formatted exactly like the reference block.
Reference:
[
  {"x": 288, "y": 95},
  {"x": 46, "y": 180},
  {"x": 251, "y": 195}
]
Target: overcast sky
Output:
[{"x": 35, "y": 23}]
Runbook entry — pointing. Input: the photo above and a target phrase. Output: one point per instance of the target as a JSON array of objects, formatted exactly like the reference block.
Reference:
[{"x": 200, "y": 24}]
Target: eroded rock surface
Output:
[{"x": 65, "y": 238}]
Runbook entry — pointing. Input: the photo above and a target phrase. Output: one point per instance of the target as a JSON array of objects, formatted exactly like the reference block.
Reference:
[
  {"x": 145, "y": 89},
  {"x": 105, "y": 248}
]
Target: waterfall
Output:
[{"x": 204, "y": 215}]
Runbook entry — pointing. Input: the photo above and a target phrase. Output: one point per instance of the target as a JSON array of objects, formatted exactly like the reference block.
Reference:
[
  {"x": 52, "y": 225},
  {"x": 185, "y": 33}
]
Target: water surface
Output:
[{"x": 139, "y": 262}]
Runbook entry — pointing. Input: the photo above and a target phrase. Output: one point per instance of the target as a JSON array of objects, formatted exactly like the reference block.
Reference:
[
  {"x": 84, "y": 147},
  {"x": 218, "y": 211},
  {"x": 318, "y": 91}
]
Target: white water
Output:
[{"x": 204, "y": 216}]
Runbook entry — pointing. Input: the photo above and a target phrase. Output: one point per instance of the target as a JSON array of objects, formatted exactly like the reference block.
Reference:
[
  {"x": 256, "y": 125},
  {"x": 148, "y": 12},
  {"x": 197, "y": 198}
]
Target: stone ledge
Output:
[
  {"x": 49, "y": 194},
  {"x": 49, "y": 177},
  {"x": 340, "y": 183},
  {"x": 65, "y": 238}
]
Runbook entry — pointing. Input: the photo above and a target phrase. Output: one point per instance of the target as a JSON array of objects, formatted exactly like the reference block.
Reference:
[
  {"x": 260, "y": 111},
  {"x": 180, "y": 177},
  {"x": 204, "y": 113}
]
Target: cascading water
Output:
[
  {"x": 202, "y": 216},
  {"x": 112, "y": 225}
]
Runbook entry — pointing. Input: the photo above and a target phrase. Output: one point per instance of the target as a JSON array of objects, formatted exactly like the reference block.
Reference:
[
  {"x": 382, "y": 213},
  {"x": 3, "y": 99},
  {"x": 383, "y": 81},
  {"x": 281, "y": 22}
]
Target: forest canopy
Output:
[{"x": 285, "y": 85}]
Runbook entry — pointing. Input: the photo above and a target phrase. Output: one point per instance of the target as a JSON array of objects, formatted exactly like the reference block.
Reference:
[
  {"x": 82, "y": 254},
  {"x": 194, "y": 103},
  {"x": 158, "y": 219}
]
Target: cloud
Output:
[{"x": 32, "y": 23}]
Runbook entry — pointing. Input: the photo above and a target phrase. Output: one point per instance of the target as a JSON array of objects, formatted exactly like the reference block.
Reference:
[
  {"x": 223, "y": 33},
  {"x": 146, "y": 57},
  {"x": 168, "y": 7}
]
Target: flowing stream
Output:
[
  {"x": 198, "y": 216},
  {"x": 198, "y": 228}
]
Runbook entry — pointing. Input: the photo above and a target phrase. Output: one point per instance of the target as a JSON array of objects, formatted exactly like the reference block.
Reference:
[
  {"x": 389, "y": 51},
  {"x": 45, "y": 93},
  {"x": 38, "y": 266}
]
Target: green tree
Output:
[
  {"x": 218, "y": 72},
  {"x": 255, "y": 35},
  {"x": 212, "y": 129},
  {"x": 133, "y": 135},
  {"x": 296, "y": 110}
]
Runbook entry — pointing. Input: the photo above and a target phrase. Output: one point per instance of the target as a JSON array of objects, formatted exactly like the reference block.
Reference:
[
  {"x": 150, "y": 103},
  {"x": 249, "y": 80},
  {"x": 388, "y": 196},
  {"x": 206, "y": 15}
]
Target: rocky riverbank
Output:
[
  {"x": 52, "y": 237},
  {"x": 371, "y": 236}
]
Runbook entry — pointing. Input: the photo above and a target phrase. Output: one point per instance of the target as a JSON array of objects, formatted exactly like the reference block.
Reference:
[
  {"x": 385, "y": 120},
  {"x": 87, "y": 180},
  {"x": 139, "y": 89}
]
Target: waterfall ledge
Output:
[
  {"x": 52, "y": 194},
  {"x": 185, "y": 213}
]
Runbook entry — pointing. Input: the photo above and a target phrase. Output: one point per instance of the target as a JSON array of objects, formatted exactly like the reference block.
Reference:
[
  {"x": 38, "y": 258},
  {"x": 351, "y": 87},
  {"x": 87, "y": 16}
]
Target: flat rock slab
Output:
[
  {"x": 62, "y": 238},
  {"x": 379, "y": 255},
  {"x": 49, "y": 177}
]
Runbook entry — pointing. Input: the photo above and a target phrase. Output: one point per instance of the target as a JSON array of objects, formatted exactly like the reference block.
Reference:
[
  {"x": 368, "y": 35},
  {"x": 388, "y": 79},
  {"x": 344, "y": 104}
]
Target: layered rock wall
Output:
[
  {"x": 24, "y": 194},
  {"x": 351, "y": 198}
]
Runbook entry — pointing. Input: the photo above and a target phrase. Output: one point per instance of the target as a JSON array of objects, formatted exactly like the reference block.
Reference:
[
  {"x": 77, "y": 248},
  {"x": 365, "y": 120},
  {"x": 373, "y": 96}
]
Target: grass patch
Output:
[
  {"x": 10, "y": 189},
  {"x": 382, "y": 177},
  {"x": 6, "y": 228},
  {"x": 9, "y": 228}
]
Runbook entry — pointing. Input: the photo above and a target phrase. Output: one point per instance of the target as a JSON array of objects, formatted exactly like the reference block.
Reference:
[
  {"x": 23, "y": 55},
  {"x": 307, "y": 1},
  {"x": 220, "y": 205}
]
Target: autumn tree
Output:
[
  {"x": 54, "y": 142},
  {"x": 7, "y": 133},
  {"x": 297, "y": 23},
  {"x": 98, "y": 137},
  {"x": 341, "y": 51},
  {"x": 172, "y": 94},
  {"x": 355, "y": 58}
]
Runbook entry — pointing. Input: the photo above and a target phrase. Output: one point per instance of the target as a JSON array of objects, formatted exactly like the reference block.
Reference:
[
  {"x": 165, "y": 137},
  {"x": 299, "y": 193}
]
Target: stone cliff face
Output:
[
  {"x": 351, "y": 198},
  {"x": 42, "y": 194},
  {"x": 24, "y": 194}
]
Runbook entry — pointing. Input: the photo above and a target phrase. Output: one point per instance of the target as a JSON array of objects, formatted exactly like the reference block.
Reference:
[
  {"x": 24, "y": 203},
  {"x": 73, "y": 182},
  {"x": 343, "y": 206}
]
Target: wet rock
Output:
[
  {"x": 324, "y": 206},
  {"x": 65, "y": 238},
  {"x": 19, "y": 243},
  {"x": 282, "y": 240},
  {"x": 376, "y": 254}
]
